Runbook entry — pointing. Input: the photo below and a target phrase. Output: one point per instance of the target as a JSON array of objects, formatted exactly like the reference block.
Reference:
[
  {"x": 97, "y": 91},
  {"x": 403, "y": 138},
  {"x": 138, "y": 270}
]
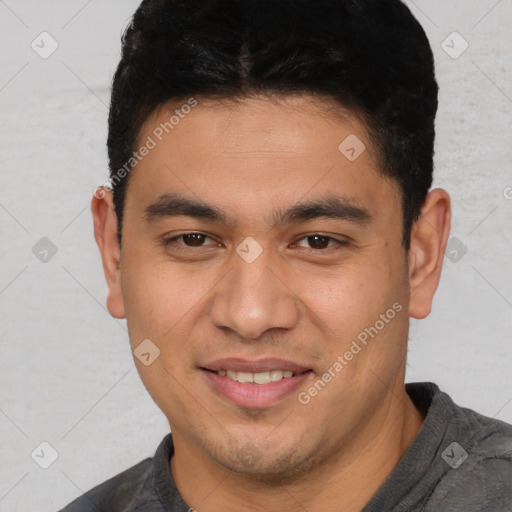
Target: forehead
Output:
[
  {"x": 280, "y": 150},
  {"x": 293, "y": 124}
]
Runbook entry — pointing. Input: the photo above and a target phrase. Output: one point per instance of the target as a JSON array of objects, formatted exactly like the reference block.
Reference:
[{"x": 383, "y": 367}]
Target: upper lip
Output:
[{"x": 255, "y": 366}]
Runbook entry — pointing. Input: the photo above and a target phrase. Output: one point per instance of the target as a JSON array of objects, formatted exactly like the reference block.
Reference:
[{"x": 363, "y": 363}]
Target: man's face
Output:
[{"x": 211, "y": 302}]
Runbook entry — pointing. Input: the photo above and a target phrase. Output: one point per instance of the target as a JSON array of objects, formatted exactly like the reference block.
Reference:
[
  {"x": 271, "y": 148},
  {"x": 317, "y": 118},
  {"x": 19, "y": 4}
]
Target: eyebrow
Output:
[{"x": 331, "y": 207}]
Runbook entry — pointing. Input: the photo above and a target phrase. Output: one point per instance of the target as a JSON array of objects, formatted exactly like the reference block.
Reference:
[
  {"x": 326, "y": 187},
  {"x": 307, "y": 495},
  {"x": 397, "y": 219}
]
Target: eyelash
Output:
[{"x": 339, "y": 244}]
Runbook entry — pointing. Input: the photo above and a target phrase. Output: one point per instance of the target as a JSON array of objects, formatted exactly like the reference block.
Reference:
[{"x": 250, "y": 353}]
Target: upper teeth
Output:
[{"x": 257, "y": 378}]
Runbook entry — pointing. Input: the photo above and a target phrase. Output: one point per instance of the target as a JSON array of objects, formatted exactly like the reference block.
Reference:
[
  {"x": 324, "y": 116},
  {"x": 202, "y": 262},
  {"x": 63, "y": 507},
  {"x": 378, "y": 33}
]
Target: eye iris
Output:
[
  {"x": 323, "y": 241},
  {"x": 196, "y": 238}
]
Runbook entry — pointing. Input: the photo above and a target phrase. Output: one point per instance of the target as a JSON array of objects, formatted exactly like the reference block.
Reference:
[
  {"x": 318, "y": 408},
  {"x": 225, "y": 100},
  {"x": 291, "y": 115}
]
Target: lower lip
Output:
[{"x": 255, "y": 395}]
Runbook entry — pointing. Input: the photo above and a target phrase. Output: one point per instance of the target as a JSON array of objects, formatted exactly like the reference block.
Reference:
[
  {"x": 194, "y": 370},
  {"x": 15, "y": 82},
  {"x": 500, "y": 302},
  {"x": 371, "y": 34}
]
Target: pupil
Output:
[
  {"x": 195, "y": 238},
  {"x": 314, "y": 240}
]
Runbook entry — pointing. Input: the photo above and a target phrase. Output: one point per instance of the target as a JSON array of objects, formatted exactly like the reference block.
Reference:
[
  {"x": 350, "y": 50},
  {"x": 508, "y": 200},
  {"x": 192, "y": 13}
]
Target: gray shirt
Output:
[{"x": 460, "y": 461}]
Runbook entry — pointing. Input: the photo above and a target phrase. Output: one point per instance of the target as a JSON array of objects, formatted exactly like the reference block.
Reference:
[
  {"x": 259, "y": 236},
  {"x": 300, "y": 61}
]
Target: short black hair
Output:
[{"x": 371, "y": 57}]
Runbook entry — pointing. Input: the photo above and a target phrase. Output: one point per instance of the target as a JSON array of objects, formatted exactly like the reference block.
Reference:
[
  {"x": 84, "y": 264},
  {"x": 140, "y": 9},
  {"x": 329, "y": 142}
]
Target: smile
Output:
[
  {"x": 256, "y": 378},
  {"x": 255, "y": 384}
]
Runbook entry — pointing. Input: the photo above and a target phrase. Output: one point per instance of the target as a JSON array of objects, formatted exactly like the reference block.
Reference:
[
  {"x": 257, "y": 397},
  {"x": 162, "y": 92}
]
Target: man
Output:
[{"x": 269, "y": 234}]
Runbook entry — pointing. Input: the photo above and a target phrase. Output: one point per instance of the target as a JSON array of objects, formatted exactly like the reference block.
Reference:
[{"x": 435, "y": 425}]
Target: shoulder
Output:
[
  {"x": 121, "y": 493},
  {"x": 487, "y": 438},
  {"x": 478, "y": 453}
]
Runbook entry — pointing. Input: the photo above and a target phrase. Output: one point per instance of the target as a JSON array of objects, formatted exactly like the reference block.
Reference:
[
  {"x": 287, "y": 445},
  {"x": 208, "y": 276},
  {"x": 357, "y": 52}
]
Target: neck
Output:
[{"x": 345, "y": 480}]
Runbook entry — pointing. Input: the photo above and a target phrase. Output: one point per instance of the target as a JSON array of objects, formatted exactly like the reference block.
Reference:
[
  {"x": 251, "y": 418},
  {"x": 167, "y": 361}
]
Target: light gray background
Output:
[{"x": 67, "y": 374}]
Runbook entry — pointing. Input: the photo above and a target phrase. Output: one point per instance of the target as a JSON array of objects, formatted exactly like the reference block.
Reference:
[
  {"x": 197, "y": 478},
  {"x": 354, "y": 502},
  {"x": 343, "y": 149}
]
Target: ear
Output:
[
  {"x": 105, "y": 233},
  {"x": 426, "y": 255}
]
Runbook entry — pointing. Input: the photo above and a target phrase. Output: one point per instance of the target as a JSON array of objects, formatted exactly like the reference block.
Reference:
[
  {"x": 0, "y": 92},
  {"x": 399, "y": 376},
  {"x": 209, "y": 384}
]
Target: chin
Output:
[{"x": 273, "y": 465}]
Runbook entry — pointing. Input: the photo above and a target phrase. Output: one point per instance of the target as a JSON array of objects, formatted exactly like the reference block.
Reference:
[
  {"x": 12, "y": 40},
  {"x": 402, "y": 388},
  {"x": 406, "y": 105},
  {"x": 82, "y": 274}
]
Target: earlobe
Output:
[
  {"x": 426, "y": 255},
  {"x": 105, "y": 233}
]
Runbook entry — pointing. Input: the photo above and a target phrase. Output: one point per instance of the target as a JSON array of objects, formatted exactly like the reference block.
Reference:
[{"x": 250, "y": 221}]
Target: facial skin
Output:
[{"x": 302, "y": 300}]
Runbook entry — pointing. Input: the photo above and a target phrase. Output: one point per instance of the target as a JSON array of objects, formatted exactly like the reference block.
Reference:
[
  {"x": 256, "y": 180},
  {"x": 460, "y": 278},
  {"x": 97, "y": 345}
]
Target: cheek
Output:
[
  {"x": 154, "y": 300},
  {"x": 156, "y": 310},
  {"x": 349, "y": 299},
  {"x": 161, "y": 299}
]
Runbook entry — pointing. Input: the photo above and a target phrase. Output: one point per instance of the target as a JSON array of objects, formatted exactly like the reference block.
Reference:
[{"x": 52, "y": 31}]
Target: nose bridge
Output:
[{"x": 252, "y": 298}]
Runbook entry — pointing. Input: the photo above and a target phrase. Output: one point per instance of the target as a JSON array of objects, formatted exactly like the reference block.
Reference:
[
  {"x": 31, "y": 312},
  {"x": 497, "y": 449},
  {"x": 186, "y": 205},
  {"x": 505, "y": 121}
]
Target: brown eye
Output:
[
  {"x": 194, "y": 239},
  {"x": 319, "y": 242},
  {"x": 187, "y": 240}
]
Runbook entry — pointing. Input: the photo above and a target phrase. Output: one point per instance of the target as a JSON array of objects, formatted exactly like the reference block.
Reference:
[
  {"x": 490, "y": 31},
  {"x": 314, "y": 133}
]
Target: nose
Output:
[{"x": 255, "y": 297}]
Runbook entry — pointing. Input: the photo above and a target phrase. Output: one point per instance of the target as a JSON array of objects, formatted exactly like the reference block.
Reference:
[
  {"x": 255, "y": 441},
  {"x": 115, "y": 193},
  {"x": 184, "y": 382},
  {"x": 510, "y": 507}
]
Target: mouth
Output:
[
  {"x": 256, "y": 384},
  {"x": 260, "y": 378}
]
